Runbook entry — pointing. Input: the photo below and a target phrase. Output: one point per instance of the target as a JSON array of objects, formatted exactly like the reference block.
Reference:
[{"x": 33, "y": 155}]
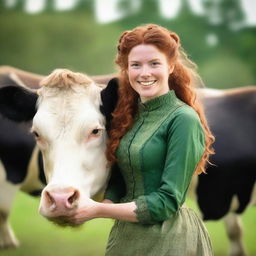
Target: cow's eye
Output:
[
  {"x": 95, "y": 131},
  {"x": 35, "y": 134}
]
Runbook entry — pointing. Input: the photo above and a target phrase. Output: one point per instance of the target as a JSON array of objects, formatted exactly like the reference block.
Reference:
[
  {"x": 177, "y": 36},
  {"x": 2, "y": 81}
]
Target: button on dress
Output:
[{"x": 156, "y": 160}]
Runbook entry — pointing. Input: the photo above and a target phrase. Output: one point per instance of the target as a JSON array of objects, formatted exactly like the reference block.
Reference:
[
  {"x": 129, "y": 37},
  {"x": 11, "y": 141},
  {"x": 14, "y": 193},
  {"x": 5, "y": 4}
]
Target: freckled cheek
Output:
[
  {"x": 158, "y": 73},
  {"x": 133, "y": 75},
  {"x": 134, "y": 85},
  {"x": 133, "y": 82}
]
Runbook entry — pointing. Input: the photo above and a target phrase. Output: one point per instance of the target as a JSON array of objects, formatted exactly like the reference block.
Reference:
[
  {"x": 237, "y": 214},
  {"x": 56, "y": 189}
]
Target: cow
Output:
[
  {"x": 229, "y": 186},
  {"x": 19, "y": 156},
  {"x": 21, "y": 168},
  {"x": 231, "y": 116},
  {"x": 74, "y": 115}
]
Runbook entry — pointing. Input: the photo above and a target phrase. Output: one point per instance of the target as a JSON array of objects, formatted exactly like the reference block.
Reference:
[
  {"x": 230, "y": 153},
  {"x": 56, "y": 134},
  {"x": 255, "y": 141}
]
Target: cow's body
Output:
[
  {"x": 228, "y": 186},
  {"x": 20, "y": 169},
  {"x": 232, "y": 118}
]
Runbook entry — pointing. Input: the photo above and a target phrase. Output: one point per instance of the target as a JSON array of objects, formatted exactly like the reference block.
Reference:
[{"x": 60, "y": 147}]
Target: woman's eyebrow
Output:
[
  {"x": 155, "y": 60},
  {"x": 148, "y": 60}
]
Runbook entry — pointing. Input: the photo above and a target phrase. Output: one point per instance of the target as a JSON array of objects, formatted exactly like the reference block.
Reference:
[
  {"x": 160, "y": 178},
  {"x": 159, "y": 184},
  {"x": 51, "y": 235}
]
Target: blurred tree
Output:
[
  {"x": 19, "y": 5},
  {"x": 149, "y": 10},
  {"x": 224, "y": 12},
  {"x": 225, "y": 19},
  {"x": 226, "y": 71},
  {"x": 232, "y": 13},
  {"x": 148, "y": 13},
  {"x": 85, "y": 6},
  {"x": 75, "y": 40},
  {"x": 2, "y": 6},
  {"x": 125, "y": 5},
  {"x": 129, "y": 7},
  {"x": 49, "y": 6}
]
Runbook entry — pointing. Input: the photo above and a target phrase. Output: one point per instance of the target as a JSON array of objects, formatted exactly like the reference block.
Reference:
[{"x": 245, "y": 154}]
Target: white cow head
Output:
[
  {"x": 70, "y": 132},
  {"x": 69, "y": 113}
]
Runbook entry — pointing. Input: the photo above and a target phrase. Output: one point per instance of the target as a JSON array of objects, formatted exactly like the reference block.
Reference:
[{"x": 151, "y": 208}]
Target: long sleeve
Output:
[
  {"x": 116, "y": 186},
  {"x": 185, "y": 146}
]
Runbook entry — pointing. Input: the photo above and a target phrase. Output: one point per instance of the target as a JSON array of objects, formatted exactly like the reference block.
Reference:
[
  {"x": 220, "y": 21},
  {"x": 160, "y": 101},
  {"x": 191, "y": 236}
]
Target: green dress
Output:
[{"x": 156, "y": 160}]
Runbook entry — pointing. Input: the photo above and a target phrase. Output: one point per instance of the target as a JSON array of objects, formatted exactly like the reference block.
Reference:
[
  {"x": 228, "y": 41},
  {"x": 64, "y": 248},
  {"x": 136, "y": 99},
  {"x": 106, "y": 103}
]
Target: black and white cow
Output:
[
  {"x": 228, "y": 186},
  {"x": 70, "y": 132},
  {"x": 21, "y": 166}
]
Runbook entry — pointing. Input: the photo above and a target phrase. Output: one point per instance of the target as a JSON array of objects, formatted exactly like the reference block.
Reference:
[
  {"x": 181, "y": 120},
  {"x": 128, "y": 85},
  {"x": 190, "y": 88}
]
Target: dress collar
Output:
[{"x": 169, "y": 99}]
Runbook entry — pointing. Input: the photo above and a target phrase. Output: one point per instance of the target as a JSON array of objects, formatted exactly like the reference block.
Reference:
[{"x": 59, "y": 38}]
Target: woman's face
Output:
[{"x": 148, "y": 71}]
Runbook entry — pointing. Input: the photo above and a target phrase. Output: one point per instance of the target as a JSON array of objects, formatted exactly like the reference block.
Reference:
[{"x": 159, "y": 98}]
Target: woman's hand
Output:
[
  {"x": 107, "y": 201},
  {"x": 88, "y": 210}
]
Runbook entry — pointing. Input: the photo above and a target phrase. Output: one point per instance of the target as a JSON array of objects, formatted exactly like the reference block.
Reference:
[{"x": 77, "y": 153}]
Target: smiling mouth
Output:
[{"x": 147, "y": 83}]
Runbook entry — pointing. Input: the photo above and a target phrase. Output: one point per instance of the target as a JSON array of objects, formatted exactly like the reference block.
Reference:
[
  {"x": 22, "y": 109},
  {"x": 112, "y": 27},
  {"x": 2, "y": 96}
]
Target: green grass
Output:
[
  {"x": 39, "y": 237},
  {"x": 218, "y": 233}
]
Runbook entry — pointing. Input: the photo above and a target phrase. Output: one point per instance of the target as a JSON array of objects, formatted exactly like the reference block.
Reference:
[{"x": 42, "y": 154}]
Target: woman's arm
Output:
[
  {"x": 122, "y": 211},
  {"x": 107, "y": 201},
  {"x": 185, "y": 146},
  {"x": 105, "y": 209}
]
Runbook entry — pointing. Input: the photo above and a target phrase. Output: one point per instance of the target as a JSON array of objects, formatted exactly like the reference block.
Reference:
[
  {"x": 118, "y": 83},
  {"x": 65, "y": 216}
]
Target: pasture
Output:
[{"x": 39, "y": 237}]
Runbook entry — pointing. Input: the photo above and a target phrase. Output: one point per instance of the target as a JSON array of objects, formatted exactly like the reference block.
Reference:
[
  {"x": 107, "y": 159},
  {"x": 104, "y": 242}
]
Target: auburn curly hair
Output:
[{"x": 182, "y": 80}]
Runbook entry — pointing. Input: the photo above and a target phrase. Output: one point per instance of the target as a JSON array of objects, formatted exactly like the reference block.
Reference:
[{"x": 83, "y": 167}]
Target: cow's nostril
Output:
[
  {"x": 49, "y": 198},
  {"x": 73, "y": 198},
  {"x": 61, "y": 198},
  {"x": 50, "y": 201}
]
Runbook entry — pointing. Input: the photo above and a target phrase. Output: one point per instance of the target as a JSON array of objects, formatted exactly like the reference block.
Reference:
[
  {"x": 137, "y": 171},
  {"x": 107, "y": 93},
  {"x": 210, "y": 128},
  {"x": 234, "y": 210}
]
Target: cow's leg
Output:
[
  {"x": 7, "y": 237},
  {"x": 235, "y": 234},
  {"x": 7, "y": 194}
]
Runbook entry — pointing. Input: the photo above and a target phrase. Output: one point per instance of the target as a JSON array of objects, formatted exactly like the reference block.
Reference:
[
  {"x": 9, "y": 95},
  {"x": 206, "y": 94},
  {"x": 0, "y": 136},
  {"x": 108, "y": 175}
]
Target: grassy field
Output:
[{"x": 39, "y": 237}]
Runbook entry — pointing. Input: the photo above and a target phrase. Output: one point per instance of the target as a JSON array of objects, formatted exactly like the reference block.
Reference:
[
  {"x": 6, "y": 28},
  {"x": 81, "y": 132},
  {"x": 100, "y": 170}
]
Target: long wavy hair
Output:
[{"x": 182, "y": 80}]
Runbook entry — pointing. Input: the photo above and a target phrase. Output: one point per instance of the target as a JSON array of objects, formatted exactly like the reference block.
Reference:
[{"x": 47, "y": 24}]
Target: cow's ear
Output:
[
  {"x": 18, "y": 103},
  {"x": 109, "y": 98}
]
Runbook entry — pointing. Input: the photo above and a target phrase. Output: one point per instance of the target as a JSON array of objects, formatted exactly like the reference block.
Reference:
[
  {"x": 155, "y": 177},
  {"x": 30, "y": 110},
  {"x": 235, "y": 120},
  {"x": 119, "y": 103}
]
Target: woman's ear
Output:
[{"x": 171, "y": 68}]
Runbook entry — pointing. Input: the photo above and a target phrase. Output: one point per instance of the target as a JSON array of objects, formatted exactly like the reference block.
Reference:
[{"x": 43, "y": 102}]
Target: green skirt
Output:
[{"x": 184, "y": 234}]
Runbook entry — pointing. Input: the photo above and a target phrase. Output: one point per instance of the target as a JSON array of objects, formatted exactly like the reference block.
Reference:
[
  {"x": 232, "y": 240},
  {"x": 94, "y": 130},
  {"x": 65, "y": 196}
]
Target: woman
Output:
[{"x": 158, "y": 139}]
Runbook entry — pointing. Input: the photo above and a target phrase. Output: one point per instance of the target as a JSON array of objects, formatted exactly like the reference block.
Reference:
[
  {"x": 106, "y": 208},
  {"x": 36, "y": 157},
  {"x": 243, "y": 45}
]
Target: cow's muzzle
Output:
[{"x": 58, "y": 202}]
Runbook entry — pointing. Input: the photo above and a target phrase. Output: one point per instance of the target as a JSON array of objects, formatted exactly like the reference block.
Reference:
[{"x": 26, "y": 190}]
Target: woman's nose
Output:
[{"x": 145, "y": 71}]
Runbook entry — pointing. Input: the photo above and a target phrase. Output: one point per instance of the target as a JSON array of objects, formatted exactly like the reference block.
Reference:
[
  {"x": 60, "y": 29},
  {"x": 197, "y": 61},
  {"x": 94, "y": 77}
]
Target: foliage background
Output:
[{"x": 74, "y": 39}]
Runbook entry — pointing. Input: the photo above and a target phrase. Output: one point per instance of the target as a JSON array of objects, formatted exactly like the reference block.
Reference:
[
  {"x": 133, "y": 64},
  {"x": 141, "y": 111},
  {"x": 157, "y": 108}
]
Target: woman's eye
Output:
[
  {"x": 155, "y": 63},
  {"x": 134, "y": 65}
]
